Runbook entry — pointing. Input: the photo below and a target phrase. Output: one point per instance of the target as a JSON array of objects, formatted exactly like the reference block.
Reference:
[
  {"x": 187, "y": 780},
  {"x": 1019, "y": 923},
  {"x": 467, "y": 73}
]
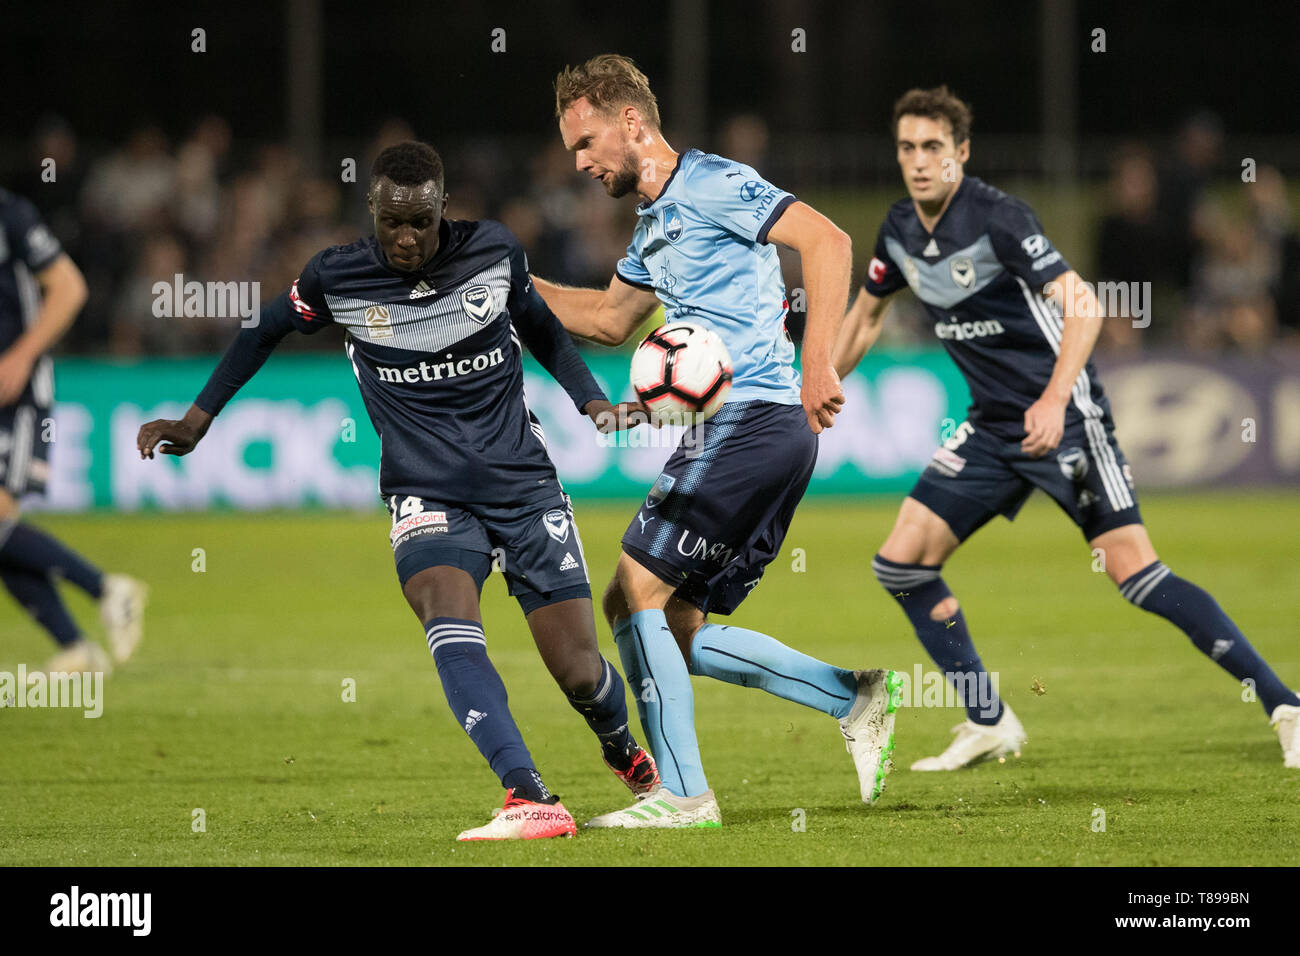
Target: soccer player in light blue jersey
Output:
[{"x": 718, "y": 513}]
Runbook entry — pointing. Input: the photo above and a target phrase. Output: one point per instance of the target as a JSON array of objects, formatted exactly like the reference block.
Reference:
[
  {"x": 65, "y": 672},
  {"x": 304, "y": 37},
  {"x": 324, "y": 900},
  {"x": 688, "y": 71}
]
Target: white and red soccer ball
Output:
[{"x": 681, "y": 373}]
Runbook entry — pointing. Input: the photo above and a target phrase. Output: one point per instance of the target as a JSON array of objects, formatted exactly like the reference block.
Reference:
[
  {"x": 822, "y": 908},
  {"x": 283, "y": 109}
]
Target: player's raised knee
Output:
[{"x": 684, "y": 620}]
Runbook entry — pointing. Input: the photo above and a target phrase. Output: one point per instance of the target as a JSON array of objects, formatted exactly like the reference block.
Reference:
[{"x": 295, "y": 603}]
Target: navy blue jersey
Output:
[
  {"x": 980, "y": 276},
  {"x": 26, "y": 247},
  {"x": 438, "y": 357}
]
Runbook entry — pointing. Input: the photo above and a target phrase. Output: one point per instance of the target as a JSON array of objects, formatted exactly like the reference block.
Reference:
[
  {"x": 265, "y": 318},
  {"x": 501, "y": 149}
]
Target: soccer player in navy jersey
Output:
[
  {"x": 41, "y": 292},
  {"x": 435, "y": 311},
  {"x": 1020, "y": 324},
  {"x": 718, "y": 513}
]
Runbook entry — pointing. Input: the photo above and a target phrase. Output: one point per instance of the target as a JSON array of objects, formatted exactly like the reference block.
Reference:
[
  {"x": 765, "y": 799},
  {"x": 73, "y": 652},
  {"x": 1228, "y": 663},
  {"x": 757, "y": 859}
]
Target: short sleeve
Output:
[
  {"x": 735, "y": 197},
  {"x": 632, "y": 270},
  {"x": 31, "y": 240},
  {"x": 883, "y": 275},
  {"x": 1018, "y": 240},
  {"x": 307, "y": 297}
]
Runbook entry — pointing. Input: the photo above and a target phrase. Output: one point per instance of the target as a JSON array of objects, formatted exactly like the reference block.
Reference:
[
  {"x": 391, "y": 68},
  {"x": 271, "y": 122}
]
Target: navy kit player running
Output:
[
  {"x": 41, "y": 292},
  {"x": 435, "y": 312},
  {"x": 979, "y": 262},
  {"x": 718, "y": 513}
]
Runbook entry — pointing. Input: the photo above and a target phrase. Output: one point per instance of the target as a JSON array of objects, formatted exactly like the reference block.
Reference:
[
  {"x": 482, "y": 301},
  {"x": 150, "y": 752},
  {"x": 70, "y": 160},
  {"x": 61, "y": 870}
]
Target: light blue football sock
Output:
[
  {"x": 633, "y": 668},
  {"x": 667, "y": 704},
  {"x": 751, "y": 659}
]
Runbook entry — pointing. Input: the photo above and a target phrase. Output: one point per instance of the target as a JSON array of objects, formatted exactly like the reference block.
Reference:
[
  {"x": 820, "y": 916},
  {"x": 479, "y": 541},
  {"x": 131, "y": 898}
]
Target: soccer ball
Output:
[{"x": 681, "y": 373}]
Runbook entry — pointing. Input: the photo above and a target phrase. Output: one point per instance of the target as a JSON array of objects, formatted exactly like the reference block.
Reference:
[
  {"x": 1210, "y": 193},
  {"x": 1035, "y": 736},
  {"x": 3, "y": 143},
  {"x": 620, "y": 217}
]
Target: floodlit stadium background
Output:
[
  {"x": 1129, "y": 132},
  {"x": 267, "y": 552}
]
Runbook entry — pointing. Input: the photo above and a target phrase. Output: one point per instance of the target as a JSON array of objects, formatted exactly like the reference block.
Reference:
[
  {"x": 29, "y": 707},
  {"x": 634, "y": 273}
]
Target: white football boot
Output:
[
  {"x": 974, "y": 743},
  {"x": 663, "y": 810},
  {"x": 1286, "y": 718},
  {"x": 869, "y": 729},
  {"x": 121, "y": 608},
  {"x": 77, "y": 658}
]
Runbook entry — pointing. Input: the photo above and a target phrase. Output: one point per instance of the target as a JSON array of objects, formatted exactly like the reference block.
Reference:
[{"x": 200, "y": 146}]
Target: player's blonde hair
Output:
[{"x": 609, "y": 82}]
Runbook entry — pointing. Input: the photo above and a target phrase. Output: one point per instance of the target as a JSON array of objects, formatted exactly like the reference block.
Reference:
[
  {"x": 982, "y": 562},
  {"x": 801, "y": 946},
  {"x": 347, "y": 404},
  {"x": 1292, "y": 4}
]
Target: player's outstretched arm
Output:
[
  {"x": 550, "y": 344},
  {"x": 63, "y": 293},
  {"x": 606, "y": 317},
  {"x": 859, "y": 332},
  {"x": 826, "y": 252},
  {"x": 243, "y": 358},
  {"x": 1045, "y": 419}
]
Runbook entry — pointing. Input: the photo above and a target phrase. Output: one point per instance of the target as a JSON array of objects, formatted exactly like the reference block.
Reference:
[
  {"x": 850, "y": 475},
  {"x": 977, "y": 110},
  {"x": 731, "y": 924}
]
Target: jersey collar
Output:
[
  {"x": 646, "y": 206},
  {"x": 952, "y": 203}
]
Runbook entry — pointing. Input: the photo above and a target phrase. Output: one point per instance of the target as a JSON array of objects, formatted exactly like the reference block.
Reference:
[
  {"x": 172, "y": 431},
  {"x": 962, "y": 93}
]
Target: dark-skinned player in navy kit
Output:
[{"x": 435, "y": 312}]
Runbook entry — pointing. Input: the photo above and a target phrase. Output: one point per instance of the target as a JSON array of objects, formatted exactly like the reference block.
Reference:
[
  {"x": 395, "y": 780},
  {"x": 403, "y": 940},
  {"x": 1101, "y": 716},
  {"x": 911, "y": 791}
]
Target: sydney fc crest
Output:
[
  {"x": 963, "y": 271},
  {"x": 479, "y": 303},
  {"x": 673, "y": 226},
  {"x": 557, "y": 524},
  {"x": 660, "y": 490}
]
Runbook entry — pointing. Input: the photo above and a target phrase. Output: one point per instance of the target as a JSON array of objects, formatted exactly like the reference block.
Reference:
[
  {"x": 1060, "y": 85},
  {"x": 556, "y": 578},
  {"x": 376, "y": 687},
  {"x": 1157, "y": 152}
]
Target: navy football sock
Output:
[
  {"x": 1157, "y": 589},
  {"x": 606, "y": 714},
  {"x": 527, "y": 783},
  {"x": 918, "y": 588},
  {"x": 478, "y": 700},
  {"x": 40, "y": 598},
  {"x": 31, "y": 549}
]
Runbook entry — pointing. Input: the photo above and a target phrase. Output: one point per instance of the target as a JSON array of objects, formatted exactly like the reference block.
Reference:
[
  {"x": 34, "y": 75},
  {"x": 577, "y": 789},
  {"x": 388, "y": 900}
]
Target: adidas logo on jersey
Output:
[
  {"x": 931, "y": 250},
  {"x": 569, "y": 563},
  {"x": 472, "y": 718},
  {"x": 422, "y": 289}
]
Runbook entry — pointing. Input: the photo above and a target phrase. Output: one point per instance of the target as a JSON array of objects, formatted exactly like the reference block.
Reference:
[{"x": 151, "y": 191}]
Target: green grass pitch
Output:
[{"x": 234, "y": 705}]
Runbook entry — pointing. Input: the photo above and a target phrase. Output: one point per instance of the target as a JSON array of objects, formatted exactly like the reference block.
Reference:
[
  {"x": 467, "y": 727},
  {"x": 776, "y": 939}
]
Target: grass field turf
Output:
[{"x": 234, "y": 705}]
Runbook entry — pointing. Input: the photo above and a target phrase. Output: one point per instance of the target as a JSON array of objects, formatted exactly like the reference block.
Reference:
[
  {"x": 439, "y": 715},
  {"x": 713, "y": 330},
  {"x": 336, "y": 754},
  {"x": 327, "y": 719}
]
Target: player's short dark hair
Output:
[
  {"x": 609, "y": 82},
  {"x": 938, "y": 103},
  {"x": 408, "y": 164}
]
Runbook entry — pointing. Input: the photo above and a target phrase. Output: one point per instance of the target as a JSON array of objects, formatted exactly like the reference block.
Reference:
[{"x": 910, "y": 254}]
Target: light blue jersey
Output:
[{"x": 702, "y": 248}]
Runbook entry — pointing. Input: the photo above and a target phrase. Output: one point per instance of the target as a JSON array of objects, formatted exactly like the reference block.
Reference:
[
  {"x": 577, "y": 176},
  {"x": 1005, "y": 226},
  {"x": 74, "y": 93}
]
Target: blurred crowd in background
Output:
[
  {"x": 1225, "y": 273},
  {"x": 1222, "y": 257}
]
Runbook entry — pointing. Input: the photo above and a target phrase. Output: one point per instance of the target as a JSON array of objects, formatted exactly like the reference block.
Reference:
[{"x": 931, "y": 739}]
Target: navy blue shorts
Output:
[
  {"x": 975, "y": 475},
  {"x": 25, "y": 436},
  {"x": 536, "y": 546},
  {"x": 717, "y": 514}
]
